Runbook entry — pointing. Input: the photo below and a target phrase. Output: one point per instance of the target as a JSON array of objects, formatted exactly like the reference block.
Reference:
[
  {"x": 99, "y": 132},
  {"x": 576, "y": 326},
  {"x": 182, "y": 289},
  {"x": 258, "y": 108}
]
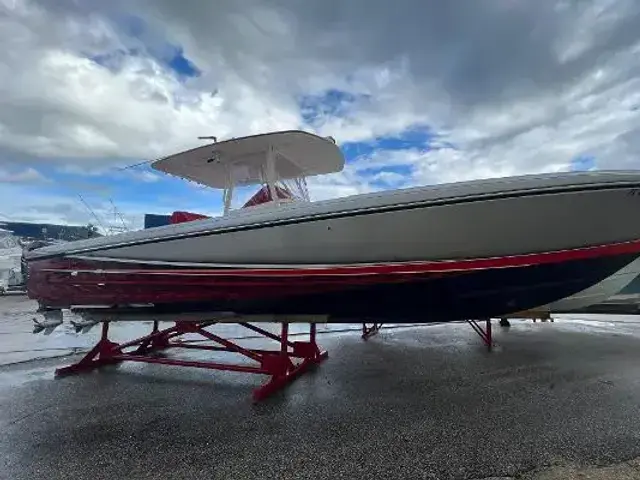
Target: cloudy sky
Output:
[{"x": 416, "y": 92}]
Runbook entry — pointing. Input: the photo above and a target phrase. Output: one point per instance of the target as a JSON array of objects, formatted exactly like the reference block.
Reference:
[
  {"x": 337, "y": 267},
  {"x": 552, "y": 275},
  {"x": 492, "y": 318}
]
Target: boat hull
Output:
[
  {"x": 599, "y": 292},
  {"x": 404, "y": 226},
  {"x": 473, "y": 249},
  {"x": 398, "y": 292}
]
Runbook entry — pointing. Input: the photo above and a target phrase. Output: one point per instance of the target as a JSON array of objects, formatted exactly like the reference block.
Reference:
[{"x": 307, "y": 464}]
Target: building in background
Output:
[
  {"x": 50, "y": 231},
  {"x": 151, "y": 220}
]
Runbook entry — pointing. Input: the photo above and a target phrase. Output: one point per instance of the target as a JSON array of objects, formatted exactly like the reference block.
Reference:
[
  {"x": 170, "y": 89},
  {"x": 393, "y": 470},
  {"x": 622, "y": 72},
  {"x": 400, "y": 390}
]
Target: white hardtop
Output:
[{"x": 246, "y": 160}]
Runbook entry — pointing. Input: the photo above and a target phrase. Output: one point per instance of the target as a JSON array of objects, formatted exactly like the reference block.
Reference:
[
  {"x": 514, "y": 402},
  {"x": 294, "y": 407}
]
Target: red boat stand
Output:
[
  {"x": 278, "y": 364},
  {"x": 485, "y": 334}
]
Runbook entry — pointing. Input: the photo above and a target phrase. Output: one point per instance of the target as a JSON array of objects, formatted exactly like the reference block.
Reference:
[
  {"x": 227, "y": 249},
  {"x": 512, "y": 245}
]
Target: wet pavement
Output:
[{"x": 419, "y": 402}]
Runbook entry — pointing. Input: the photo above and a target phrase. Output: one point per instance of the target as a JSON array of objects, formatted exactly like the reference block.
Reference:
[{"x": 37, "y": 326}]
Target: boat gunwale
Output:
[{"x": 99, "y": 244}]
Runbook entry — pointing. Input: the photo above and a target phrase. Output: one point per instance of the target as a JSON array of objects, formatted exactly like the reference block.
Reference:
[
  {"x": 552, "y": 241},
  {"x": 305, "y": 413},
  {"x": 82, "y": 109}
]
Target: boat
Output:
[
  {"x": 465, "y": 250},
  {"x": 10, "y": 261}
]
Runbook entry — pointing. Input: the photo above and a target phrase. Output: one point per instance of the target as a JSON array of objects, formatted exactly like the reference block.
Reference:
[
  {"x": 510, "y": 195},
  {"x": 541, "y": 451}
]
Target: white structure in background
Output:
[{"x": 10, "y": 260}]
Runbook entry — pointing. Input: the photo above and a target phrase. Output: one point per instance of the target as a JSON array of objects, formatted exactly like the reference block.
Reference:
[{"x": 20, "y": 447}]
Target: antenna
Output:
[
  {"x": 92, "y": 212},
  {"x": 146, "y": 162},
  {"x": 116, "y": 214},
  {"x": 127, "y": 167}
]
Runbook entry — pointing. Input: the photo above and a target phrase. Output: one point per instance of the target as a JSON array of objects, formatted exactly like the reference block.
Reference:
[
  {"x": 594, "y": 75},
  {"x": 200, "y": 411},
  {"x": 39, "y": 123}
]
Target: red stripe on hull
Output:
[
  {"x": 63, "y": 282},
  {"x": 122, "y": 288},
  {"x": 443, "y": 266}
]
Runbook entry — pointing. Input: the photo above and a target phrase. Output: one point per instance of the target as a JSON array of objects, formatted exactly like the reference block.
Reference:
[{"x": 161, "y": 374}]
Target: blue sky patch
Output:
[
  {"x": 417, "y": 137},
  {"x": 404, "y": 170},
  {"x": 583, "y": 163},
  {"x": 166, "y": 53},
  {"x": 132, "y": 190},
  {"x": 331, "y": 103},
  {"x": 182, "y": 65}
]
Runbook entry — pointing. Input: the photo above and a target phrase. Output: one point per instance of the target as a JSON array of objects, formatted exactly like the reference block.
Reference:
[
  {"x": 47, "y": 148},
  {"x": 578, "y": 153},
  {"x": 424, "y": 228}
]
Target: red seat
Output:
[
  {"x": 264, "y": 195},
  {"x": 180, "y": 217}
]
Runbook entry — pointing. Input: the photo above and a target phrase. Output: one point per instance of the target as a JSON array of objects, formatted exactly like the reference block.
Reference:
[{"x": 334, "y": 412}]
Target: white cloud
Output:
[
  {"x": 509, "y": 87},
  {"x": 28, "y": 175},
  {"x": 56, "y": 102}
]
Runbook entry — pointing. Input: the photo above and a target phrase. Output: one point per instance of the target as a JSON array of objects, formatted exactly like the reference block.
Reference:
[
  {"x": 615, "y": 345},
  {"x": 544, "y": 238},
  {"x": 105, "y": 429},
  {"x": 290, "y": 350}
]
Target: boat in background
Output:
[
  {"x": 10, "y": 261},
  {"x": 466, "y": 250}
]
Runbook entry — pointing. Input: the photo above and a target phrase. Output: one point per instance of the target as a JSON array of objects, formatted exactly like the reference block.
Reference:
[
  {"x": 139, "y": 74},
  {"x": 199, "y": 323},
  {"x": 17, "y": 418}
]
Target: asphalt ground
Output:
[{"x": 552, "y": 400}]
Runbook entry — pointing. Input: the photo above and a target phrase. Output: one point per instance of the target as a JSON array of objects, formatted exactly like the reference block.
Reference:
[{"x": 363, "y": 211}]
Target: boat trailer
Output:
[{"x": 283, "y": 364}]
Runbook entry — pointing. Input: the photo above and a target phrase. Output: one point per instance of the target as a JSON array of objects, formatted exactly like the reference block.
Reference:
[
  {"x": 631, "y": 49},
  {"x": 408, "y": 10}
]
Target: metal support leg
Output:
[
  {"x": 370, "y": 331},
  {"x": 485, "y": 334},
  {"x": 283, "y": 370},
  {"x": 102, "y": 354}
]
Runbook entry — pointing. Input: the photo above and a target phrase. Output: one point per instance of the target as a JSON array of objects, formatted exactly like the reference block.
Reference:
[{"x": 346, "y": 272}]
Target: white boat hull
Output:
[{"x": 409, "y": 225}]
